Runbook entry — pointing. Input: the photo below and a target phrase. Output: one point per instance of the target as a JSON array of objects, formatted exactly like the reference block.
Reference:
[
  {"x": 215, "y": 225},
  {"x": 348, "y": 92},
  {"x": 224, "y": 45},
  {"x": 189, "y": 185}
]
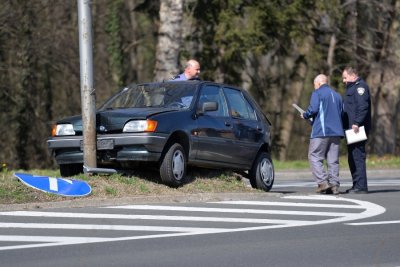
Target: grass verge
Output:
[
  {"x": 145, "y": 184},
  {"x": 12, "y": 191}
]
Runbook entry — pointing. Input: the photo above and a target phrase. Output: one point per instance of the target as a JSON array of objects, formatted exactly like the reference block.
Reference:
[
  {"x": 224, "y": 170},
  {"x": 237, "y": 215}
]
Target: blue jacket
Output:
[
  {"x": 326, "y": 108},
  {"x": 180, "y": 77},
  {"x": 357, "y": 105}
]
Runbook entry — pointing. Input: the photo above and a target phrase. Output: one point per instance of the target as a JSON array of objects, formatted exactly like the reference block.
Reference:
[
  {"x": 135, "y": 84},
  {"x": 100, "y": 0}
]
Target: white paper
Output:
[
  {"x": 299, "y": 109},
  {"x": 353, "y": 137}
]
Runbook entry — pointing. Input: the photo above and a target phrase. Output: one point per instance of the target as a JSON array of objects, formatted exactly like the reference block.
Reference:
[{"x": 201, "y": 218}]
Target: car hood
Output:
[{"x": 114, "y": 120}]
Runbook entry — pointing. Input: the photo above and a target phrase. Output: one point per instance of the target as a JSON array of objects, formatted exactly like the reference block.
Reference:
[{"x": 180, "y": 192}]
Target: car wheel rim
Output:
[
  {"x": 266, "y": 172},
  {"x": 178, "y": 165}
]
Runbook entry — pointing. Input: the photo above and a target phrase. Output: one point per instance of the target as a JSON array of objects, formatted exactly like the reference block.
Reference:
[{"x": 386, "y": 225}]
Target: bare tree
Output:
[
  {"x": 385, "y": 85},
  {"x": 169, "y": 39}
]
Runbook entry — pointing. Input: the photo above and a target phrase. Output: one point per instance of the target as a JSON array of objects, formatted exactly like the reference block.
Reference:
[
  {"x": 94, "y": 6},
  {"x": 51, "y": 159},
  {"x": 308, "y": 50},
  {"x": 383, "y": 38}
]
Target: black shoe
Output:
[
  {"x": 356, "y": 191},
  {"x": 329, "y": 191}
]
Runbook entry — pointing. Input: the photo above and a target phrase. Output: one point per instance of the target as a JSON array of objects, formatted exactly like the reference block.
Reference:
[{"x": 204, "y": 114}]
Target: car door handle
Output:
[{"x": 228, "y": 124}]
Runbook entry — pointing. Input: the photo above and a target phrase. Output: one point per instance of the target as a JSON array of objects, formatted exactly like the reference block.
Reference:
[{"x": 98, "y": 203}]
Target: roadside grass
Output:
[
  {"x": 143, "y": 183},
  {"x": 146, "y": 183}
]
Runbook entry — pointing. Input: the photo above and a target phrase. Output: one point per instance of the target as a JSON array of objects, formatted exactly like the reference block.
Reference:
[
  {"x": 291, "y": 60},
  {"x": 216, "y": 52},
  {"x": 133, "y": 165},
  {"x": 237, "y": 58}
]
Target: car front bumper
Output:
[{"x": 110, "y": 147}]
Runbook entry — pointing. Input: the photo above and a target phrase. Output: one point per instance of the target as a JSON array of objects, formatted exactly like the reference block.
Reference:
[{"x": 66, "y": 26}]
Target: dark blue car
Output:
[{"x": 172, "y": 125}]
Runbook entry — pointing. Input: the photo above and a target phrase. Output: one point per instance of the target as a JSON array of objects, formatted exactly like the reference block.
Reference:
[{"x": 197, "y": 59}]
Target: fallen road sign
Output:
[{"x": 59, "y": 186}]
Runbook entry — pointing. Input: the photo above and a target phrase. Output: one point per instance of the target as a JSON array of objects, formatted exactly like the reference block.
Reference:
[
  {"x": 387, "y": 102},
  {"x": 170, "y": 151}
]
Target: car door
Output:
[
  {"x": 247, "y": 128},
  {"x": 214, "y": 133}
]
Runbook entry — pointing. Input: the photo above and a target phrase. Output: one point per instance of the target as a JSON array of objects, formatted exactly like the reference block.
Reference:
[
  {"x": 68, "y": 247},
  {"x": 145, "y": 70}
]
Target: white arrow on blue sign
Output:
[{"x": 59, "y": 186}]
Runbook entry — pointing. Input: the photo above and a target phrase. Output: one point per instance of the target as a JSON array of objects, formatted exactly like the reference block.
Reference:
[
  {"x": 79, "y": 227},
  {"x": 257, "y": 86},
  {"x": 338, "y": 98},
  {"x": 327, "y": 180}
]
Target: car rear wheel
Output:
[
  {"x": 67, "y": 170},
  {"x": 173, "y": 166},
  {"x": 262, "y": 174}
]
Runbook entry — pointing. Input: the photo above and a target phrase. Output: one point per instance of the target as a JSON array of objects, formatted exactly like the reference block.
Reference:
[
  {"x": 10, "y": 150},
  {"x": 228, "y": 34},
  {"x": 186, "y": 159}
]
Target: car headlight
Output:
[
  {"x": 62, "y": 129},
  {"x": 140, "y": 126}
]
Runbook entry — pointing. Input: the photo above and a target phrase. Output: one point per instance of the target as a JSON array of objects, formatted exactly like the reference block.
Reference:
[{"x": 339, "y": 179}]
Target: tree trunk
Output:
[
  {"x": 330, "y": 58},
  {"x": 169, "y": 39},
  {"x": 27, "y": 88},
  {"x": 134, "y": 67},
  {"x": 114, "y": 30},
  {"x": 385, "y": 90},
  {"x": 293, "y": 94}
]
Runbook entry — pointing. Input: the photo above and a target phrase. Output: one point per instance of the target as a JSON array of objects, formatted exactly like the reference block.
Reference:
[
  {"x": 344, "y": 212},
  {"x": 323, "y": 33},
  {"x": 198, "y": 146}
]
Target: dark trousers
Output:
[{"x": 357, "y": 165}]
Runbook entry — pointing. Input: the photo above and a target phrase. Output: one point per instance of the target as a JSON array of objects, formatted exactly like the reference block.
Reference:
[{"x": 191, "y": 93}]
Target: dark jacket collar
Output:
[{"x": 350, "y": 84}]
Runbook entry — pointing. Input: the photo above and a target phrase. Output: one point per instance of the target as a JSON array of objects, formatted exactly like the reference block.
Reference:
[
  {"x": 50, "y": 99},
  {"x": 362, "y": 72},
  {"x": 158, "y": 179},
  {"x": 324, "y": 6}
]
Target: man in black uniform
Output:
[{"x": 357, "y": 113}]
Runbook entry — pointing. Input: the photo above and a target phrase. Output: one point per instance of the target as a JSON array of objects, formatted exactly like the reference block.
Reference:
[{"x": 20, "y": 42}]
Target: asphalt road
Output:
[{"x": 290, "y": 226}]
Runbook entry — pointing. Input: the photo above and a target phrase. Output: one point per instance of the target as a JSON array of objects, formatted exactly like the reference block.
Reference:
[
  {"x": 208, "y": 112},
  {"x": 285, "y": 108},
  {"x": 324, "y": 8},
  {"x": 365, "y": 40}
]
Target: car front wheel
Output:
[
  {"x": 173, "y": 166},
  {"x": 262, "y": 173}
]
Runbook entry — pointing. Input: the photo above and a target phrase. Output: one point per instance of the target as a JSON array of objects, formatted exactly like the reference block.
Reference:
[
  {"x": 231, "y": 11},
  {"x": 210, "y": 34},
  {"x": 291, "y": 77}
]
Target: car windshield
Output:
[{"x": 171, "y": 95}]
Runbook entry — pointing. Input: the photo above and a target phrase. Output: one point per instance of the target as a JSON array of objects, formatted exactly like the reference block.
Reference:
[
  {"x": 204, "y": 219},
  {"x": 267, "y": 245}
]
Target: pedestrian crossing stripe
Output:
[{"x": 358, "y": 210}]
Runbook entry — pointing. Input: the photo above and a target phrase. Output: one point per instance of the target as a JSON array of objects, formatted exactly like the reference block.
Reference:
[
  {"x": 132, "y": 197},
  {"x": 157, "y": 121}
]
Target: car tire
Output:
[
  {"x": 173, "y": 166},
  {"x": 67, "y": 170},
  {"x": 262, "y": 173}
]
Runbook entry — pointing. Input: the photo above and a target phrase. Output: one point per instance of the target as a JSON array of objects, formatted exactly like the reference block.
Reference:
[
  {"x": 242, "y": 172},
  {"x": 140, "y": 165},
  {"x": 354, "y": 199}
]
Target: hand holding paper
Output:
[
  {"x": 299, "y": 109},
  {"x": 353, "y": 137}
]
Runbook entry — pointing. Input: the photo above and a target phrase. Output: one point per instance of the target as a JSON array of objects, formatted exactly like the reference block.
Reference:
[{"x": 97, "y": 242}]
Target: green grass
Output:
[{"x": 385, "y": 162}]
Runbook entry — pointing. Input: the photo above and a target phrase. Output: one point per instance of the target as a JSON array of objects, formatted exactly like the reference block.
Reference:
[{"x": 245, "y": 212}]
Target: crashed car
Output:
[{"x": 172, "y": 125}]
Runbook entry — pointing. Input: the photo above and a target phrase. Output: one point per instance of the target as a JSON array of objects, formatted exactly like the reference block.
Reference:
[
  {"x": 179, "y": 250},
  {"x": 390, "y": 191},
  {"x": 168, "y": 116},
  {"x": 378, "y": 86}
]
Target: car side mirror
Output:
[{"x": 207, "y": 106}]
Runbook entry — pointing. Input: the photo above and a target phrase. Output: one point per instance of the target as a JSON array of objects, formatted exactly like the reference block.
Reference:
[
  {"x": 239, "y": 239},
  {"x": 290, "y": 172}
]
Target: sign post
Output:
[{"x": 88, "y": 98}]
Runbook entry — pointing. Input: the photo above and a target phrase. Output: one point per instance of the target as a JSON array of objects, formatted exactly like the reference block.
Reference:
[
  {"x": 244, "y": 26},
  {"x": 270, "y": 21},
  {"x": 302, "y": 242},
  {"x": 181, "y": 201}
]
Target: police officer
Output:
[
  {"x": 192, "y": 71},
  {"x": 357, "y": 113}
]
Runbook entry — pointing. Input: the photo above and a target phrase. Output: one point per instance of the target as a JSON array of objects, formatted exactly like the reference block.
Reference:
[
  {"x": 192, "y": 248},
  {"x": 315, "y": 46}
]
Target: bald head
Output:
[
  {"x": 320, "y": 80},
  {"x": 192, "y": 69},
  {"x": 192, "y": 63}
]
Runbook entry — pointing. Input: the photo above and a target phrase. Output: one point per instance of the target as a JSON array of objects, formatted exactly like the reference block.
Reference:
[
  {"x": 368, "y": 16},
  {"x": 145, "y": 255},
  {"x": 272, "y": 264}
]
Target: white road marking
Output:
[
  {"x": 108, "y": 227},
  {"x": 290, "y": 204},
  {"x": 368, "y": 210},
  {"x": 374, "y": 223},
  {"x": 146, "y": 217},
  {"x": 22, "y": 238},
  {"x": 219, "y": 210}
]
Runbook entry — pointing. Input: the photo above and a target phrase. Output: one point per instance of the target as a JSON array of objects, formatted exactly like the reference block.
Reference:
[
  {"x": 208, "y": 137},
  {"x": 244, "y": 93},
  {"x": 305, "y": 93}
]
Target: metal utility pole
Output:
[{"x": 88, "y": 98}]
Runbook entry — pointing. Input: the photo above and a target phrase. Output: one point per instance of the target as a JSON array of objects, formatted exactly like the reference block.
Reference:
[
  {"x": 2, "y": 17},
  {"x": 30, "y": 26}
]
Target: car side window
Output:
[
  {"x": 252, "y": 111},
  {"x": 212, "y": 93},
  {"x": 238, "y": 104}
]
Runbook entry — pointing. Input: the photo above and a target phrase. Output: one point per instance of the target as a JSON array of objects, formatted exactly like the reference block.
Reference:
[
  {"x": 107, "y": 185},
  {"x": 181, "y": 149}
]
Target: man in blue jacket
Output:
[
  {"x": 357, "y": 113},
  {"x": 192, "y": 71},
  {"x": 325, "y": 109}
]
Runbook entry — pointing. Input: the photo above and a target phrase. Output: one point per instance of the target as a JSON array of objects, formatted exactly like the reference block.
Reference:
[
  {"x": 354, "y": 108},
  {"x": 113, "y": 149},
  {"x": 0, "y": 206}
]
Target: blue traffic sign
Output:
[{"x": 59, "y": 186}]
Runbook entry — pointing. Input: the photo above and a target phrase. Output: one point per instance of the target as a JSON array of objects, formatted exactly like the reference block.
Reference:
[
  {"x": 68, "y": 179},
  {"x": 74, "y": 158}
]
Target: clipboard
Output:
[
  {"x": 352, "y": 137},
  {"x": 299, "y": 109}
]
